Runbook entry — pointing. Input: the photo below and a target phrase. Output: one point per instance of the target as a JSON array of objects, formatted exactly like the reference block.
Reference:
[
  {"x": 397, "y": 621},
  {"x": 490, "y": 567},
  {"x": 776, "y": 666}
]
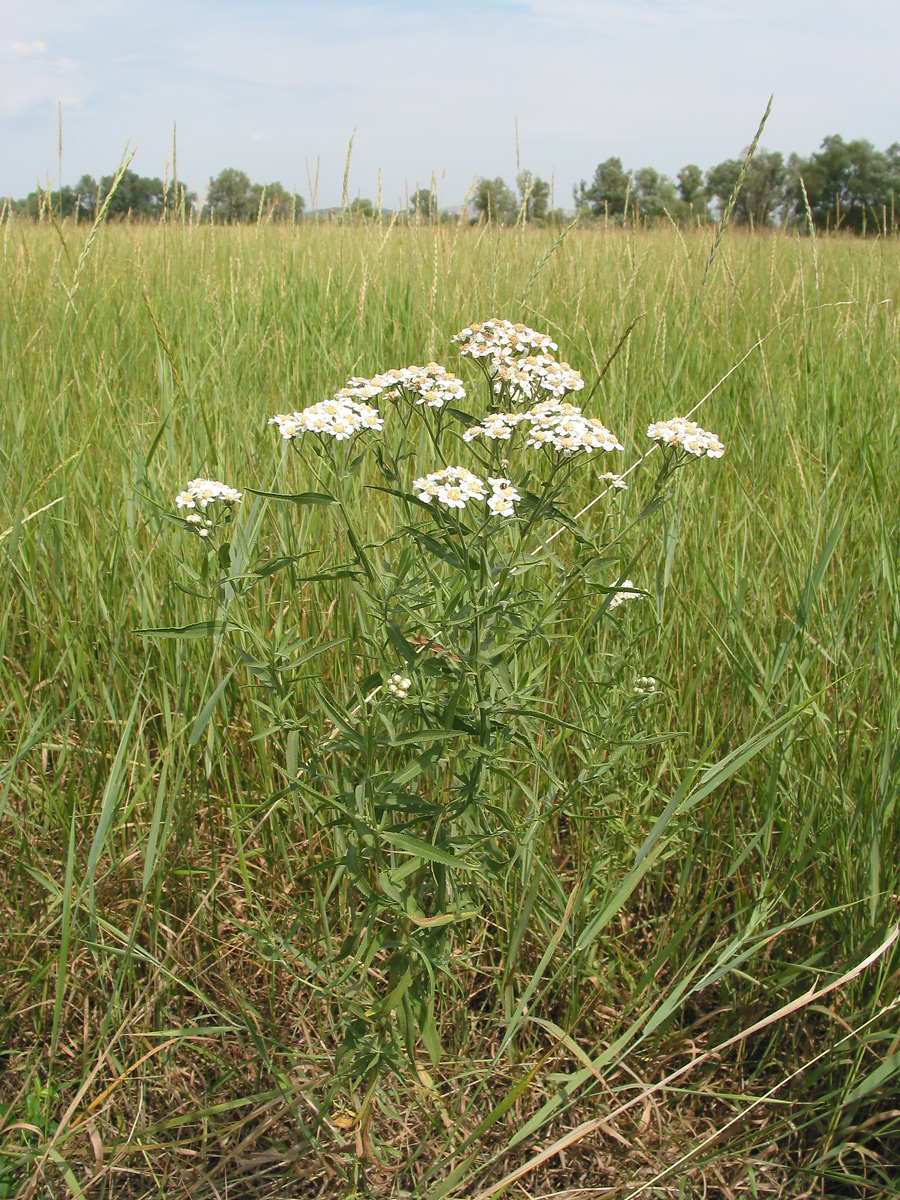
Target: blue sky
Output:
[{"x": 269, "y": 86}]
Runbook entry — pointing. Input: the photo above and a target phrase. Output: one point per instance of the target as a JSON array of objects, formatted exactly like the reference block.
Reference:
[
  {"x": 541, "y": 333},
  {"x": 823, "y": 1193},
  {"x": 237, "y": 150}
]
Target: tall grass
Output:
[{"x": 162, "y": 1020}]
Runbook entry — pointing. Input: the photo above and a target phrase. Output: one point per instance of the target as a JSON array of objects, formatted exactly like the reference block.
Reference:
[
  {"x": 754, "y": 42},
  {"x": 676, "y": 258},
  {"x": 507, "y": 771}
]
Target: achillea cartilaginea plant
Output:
[{"x": 416, "y": 797}]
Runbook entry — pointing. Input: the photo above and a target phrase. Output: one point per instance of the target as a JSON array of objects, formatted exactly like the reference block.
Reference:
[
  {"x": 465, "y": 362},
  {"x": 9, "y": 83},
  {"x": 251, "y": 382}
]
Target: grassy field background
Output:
[{"x": 161, "y": 1033}]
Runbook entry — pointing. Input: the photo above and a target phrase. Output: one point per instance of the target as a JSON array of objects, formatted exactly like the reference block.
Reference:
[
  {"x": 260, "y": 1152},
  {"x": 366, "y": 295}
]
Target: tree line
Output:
[
  {"x": 844, "y": 185},
  {"x": 229, "y": 198}
]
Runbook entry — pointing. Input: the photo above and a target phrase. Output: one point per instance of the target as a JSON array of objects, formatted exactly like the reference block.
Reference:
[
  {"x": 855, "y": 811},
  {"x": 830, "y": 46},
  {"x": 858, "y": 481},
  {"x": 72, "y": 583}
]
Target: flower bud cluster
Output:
[
  {"x": 454, "y": 487},
  {"x": 199, "y": 525},
  {"x": 399, "y": 686},
  {"x": 432, "y": 385},
  {"x": 340, "y": 417},
  {"x": 645, "y": 685},
  {"x": 205, "y": 492},
  {"x": 626, "y": 592},
  {"x": 687, "y": 435},
  {"x": 614, "y": 482}
]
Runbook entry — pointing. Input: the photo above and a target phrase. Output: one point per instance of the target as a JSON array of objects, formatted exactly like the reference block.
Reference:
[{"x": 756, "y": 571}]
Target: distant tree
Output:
[
  {"x": 272, "y": 202},
  {"x": 87, "y": 191},
  {"x": 691, "y": 187},
  {"x": 423, "y": 202},
  {"x": 36, "y": 204},
  {"x": 608, "y": 191},
  {"x": 361, "y": 207},
  {"x": 534, "y": 195},
  {"x": 654, "y": 194},
  {"x": 850, "y": 185},
  {"x": 557, "y": 216},
  {"x": 494, "y": 200},
  {"x": 762, "y": 195},
  {"x": 135, "y": 195},
  {"x": 229, "y": 197}
]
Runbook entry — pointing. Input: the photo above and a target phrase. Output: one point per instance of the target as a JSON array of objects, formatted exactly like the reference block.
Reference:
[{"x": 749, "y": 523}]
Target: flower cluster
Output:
[
  {"x": 563, "y": 427},
  {"x": 399, "y": 686},
  {"x": 205, "y": 492},
  {"x": 626, "y": 592},
  {"x": 614, "y": 483},
  {"x": 687, "y": 435},
  {"x": 340, "y": 418},
  {"x": 536, "y": 374},
  {"x": 554, "y": 423},
  {"x": 501, "y": 340},
  {"x": 454, "y": 487},
  {"x": 520, "y": 360},
  {"x": 432, "y": 385},
  {"x": 358, "y": 388},
  {"x": 495, "y": 426}
]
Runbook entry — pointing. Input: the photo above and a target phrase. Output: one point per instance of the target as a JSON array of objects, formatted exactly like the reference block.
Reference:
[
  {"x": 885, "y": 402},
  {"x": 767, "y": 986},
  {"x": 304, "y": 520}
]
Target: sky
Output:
[{"x": 452, "y": 89}]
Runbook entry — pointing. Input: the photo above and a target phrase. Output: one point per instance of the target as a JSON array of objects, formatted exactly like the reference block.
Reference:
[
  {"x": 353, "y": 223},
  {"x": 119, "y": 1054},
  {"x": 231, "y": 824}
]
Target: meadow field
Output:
[{"x": 671, "y": 971}]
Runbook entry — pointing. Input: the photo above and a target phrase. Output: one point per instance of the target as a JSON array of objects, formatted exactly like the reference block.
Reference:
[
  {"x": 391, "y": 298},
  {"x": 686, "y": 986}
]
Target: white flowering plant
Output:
[{"x": 423, "y": 765}]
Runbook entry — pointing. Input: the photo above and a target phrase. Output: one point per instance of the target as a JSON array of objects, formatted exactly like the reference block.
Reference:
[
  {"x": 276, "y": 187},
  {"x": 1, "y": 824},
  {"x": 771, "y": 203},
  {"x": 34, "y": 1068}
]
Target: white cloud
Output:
[
  {"x": 36, "y": 47},
  {"x": 33, "y": 80}
]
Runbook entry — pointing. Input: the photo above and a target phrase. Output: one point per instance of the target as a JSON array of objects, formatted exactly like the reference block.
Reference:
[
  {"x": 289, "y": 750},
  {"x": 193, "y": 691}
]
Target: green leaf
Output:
[
  {"x": 721, "y": 771},
  {"x": 623, "y": 891},
  {"x": 415, "y": 736},
  {"x": 197, "y": 629},
  {"x": 430, "y": 1037},
  {"x": 874, "y": 1079},
  {"x": 422, "y": 762},
  {"x": 404, "y": 648},
  {"x": 301, "y": 498},
  {"x": 414, "y": 845},
  {"x": 112, "y": 795},
  {"x": 442, "y": 919},
  {"x": 207, "y": 710}
]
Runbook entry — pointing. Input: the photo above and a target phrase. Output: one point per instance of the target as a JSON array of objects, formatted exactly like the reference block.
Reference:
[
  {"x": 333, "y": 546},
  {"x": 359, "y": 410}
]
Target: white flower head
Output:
[
  {"x": 358, "y": 388},
  {"x": 453, "y": 487},
  {"x": 626, "y": 592},
  {"x": 501, "y": 338},
  {"x": 562, "y": 426},
  {"x": 431, "y": 385},
  {"x": 519, "y": 360},
  {"x": 204, "y": 492},
  {"x": 495, "y": 426},
  {"x": 503, "y": 497},
  {"x": 341, "y": 417},
  {"x": 686, "y": 435}
]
